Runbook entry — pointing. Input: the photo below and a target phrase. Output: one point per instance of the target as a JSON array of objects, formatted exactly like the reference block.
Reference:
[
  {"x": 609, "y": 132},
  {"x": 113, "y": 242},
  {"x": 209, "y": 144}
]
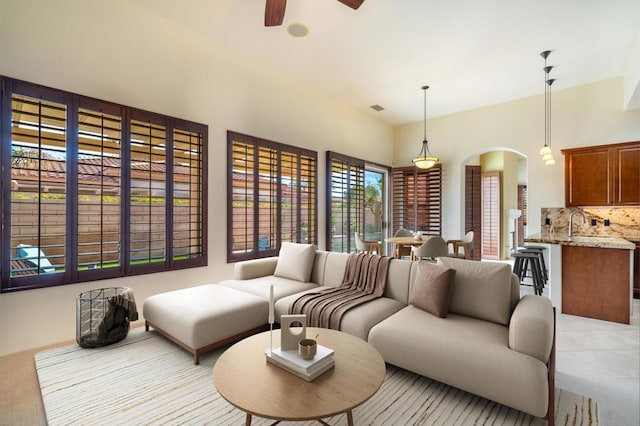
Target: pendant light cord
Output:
[{"x": 424, "y": 89}]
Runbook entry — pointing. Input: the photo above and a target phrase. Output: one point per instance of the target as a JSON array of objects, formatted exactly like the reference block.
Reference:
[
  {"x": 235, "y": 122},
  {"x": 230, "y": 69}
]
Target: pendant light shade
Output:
[
  {"x": 545, "y": 151},
  {"x": 425, "y": 159}
]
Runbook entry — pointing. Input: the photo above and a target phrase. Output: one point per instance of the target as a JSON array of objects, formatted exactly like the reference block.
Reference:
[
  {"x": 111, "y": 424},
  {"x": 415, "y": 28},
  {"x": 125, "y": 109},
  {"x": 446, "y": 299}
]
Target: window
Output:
[
  {"x": 94, "y": 190},
  {"x": 417, "y": 199},
  {"x": 355, "y": 201},
  {"x": 272, "y": 193}
]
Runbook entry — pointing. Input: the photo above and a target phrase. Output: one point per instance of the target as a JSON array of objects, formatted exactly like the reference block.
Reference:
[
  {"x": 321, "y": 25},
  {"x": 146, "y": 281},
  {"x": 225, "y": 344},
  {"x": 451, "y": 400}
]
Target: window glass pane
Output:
[
  {"x": 148, "y": 192},
  {"x": 339, "y": 204},
  {"x": 307, "y": 189},
  {"x": 289, "y": 203},
  {"x": 356, "y": 203},
  {"x": 346, "y": 214},
  {"x": 38, "y": 179},
  {"x": 374, "y": 205},
  {"x": 268, "y": 199},
  {"x": 187, "y": 194},
  {"x": 242, "y": 182},
  {"x": 99, "y": 190}
]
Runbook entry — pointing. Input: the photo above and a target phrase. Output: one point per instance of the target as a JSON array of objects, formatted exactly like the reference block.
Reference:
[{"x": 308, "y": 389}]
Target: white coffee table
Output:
[{"x": 246, "y": 380}]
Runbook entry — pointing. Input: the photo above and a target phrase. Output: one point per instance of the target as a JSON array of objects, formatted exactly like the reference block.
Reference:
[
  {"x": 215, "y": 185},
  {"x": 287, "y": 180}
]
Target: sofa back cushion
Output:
[
  {"x": 480, "y": 289},
  {"x": 317, "y": 273},
  {"x": 295, "y": 261},
  {"x": 398, "y": 279},
  {"x": 334, "y": 269}
]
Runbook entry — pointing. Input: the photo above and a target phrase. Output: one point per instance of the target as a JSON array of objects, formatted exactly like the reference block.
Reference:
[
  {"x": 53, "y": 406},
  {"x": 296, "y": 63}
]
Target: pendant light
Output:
[
  {"x": 425, "y": 160},
  {"x": 547, "y": 155}
]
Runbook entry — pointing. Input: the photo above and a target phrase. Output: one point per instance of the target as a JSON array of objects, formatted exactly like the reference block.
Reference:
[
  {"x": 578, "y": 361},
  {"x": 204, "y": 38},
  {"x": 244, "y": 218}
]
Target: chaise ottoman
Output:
[{"x": 203, "y": 318}]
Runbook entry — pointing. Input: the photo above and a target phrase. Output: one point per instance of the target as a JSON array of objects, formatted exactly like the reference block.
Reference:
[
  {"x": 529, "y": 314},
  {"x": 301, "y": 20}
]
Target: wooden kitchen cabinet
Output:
[
  {"x": 595, "y": 283},
  {"x": 603, "y": 175}
]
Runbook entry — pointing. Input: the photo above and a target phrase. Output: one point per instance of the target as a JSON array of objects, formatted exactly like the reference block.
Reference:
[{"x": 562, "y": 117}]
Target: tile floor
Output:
[{"x": 601, "y": 360}]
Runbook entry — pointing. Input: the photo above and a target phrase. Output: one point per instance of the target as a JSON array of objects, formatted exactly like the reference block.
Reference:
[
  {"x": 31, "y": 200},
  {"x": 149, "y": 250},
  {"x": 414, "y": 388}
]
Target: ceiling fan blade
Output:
[
  {"x": 353, "y": 4},
  {"x": 274, "y": 12}
]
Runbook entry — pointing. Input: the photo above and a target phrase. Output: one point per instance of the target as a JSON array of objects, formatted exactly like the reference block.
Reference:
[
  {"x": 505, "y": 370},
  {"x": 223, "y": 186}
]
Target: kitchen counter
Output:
[
  {"x": 580, "y": 240},
  {"x": 589, "y": 276}
]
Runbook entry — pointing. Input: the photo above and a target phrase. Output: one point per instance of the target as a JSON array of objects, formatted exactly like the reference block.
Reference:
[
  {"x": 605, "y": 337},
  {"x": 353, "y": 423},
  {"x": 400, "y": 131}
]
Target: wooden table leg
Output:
[
  {"x": 350, "y": 418},
  {"x": 247, "y": 422}
]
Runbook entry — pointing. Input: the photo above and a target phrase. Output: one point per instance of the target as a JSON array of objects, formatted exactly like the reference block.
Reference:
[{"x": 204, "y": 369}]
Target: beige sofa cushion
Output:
[
  {"x": 480, "y": 289},
  {"x": 356, "y": 321},
  {"x": 295, "y": 261},
  {"x": 466, "y": 353},
  {"x": 261, "y": 287},
  {"x": 432, "y": 289}
]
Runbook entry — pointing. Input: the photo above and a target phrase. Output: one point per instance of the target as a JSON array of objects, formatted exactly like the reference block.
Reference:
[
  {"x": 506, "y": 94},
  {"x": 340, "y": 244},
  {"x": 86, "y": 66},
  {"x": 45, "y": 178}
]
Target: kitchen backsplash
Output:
[{"x": 623, "y": 221}]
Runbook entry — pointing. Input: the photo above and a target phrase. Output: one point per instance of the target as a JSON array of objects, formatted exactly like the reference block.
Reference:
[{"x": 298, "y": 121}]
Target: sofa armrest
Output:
[
  {"x": 255, "y": 268},
  {"x": 531, "y": 329}
]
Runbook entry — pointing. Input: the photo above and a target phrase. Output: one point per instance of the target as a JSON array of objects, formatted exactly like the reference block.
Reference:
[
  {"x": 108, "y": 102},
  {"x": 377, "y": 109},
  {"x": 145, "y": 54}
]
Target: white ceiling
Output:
[{"x": 471, "y": 53}]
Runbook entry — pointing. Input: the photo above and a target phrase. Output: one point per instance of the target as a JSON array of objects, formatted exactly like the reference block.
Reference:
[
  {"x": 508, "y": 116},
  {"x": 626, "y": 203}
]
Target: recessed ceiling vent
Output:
[{"x": 377, "y": 107}]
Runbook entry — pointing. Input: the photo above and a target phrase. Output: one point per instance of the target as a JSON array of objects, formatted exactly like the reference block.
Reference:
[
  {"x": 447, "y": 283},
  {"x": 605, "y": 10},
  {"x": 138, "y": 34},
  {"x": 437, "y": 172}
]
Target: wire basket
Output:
[{"x": 100, "y": 321}]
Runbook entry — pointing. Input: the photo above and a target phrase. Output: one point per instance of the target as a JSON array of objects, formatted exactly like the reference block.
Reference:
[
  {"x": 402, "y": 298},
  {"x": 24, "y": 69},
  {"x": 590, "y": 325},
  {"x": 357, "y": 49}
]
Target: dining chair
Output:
[
  {"x": 403, "y": 233},
  {"x": 367, "y": 246},
  {"x": 466, "y": 243},
  {"x": 431, "y": 249},
  {"x": 401, "y": 250}
]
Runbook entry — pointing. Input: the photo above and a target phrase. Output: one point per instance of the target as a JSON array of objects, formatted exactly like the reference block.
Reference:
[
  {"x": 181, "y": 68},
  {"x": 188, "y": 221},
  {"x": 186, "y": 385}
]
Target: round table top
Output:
[
  {"x": 246, "y": 380},
  {"x": 409, "y": 241}
]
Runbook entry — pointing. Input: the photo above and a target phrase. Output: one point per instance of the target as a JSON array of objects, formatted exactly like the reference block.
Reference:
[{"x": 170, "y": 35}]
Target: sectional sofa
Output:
[{"x": 488, "y": 340}]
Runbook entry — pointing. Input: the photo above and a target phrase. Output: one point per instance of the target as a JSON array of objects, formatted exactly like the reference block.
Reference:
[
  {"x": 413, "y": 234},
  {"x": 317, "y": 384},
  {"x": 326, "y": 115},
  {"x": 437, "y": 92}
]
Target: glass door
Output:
[{"x": 375, "y": 203}]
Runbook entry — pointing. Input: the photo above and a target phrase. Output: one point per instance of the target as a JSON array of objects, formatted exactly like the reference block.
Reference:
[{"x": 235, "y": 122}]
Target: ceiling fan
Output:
[{"x": 274, "y": 10}]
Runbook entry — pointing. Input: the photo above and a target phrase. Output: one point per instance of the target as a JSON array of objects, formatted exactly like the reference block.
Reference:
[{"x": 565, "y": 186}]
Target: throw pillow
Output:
[
  {"x": 480, "y": 289},
  {"x": 432, "y": 288},
  {"x": 295, "y": 261}
]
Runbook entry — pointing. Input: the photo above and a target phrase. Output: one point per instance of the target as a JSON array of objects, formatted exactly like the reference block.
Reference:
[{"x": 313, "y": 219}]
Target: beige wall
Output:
[
  {"x": 582, "y": 116},
  {"x": 119, "y": 52}
]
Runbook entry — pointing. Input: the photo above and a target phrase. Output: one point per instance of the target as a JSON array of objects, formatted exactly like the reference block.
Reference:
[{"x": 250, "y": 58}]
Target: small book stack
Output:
[{"x": 307, "y": 369}]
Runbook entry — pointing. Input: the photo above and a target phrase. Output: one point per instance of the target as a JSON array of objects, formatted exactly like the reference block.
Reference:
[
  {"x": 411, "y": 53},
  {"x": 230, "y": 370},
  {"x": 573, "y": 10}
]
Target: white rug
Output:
[{"x": 147, "y": 380}]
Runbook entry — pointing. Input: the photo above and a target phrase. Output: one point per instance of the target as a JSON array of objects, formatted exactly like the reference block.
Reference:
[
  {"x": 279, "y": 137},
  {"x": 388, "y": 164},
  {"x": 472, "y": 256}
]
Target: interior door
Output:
[
  {"x": 491, "y": 215},
  {"x": 473, "y": 208}
]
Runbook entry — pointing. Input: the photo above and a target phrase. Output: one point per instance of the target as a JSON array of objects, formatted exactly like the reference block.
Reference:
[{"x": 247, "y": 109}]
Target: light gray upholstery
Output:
[
  {"x": 261, "y": 286},
  {"x": 530, "y": 332},
  {"x": 199, "y": 316},
  {"x": 464, "y": 352},
  {"x": 255, "y": 268}
]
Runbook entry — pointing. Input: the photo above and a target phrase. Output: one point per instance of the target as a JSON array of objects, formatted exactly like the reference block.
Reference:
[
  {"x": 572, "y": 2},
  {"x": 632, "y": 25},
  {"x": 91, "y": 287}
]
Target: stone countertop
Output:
[{"x": 580, "y": 240}]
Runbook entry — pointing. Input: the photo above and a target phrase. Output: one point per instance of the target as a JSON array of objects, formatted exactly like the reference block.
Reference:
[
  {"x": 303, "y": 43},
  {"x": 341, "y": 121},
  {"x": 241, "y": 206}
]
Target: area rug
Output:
[{"x": 147, "y": 380}]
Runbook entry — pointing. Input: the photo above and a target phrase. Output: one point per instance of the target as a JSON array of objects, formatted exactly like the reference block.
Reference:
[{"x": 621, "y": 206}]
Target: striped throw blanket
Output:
[{"x": 364, "y": 280}]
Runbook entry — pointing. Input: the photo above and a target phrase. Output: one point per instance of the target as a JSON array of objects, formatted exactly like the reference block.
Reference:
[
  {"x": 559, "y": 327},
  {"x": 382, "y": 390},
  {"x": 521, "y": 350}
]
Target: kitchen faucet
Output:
[{"x": 584, "y": 220}]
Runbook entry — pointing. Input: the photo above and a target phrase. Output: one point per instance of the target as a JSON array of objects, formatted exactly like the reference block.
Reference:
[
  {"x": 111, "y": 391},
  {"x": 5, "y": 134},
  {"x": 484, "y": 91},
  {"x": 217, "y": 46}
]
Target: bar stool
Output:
[
  {"x": 522, "y": 263},
  {"x": 540, "y": 250},
  {"x": 529, "y": 266}
]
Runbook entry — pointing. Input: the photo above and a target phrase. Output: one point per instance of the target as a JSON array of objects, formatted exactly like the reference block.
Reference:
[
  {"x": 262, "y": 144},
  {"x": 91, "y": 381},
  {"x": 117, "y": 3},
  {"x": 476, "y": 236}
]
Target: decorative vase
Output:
[{"x": 293, "y": 328}]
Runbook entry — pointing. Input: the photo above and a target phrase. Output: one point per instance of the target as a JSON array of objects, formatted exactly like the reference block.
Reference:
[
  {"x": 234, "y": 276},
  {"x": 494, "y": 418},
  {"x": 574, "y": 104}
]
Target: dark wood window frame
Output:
[
  {"x": 280, "y": 206},
  {"x": 174, "y": 242},
  {"x": 417, "y": 199}
]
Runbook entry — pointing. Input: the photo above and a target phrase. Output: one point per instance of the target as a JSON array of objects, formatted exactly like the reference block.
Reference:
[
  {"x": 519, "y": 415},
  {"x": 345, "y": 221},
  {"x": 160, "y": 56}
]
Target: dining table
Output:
[{"x": 399, "y": 242}]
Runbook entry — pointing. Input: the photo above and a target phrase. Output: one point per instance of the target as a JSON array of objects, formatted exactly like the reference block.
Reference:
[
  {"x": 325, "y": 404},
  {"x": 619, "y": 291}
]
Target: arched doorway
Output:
[{"x": 495, "y": 183}]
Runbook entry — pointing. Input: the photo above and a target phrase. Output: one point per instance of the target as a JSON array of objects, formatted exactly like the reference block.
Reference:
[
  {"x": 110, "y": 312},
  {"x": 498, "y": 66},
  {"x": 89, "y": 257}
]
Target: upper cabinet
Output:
[{"x": 603, "y": 175}]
